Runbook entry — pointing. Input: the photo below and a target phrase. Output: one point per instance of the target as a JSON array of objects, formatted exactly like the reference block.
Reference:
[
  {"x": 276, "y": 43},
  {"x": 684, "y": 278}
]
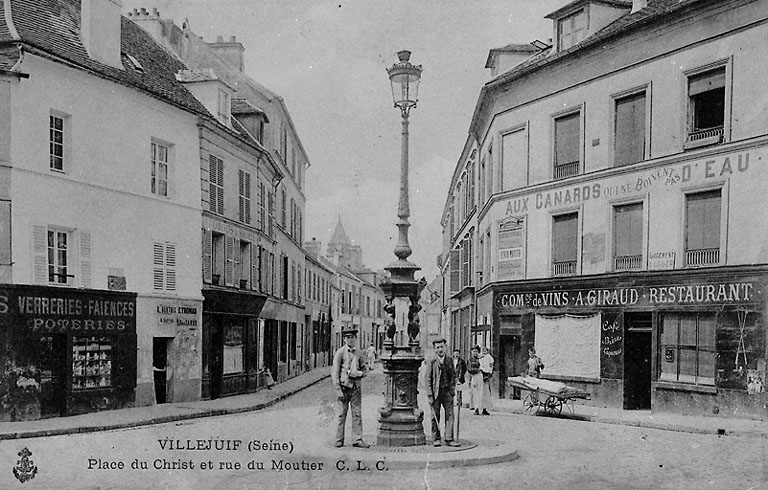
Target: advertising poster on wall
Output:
[{"x": 511, "y": 240}]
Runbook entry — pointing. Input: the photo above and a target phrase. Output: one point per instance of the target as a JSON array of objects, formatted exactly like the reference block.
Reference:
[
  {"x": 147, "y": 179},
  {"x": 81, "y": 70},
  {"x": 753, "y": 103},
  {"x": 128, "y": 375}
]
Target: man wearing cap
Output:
[
  {"x": 440, "y": 385},
  {"x": 348, "y": 369}
]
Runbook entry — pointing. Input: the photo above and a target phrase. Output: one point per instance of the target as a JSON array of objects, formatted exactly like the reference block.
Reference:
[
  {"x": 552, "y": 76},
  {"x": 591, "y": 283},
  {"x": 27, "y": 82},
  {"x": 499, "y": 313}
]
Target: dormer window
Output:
[
  {"x": 223, "y": 107},
  {"x": 571, "y": 30}
]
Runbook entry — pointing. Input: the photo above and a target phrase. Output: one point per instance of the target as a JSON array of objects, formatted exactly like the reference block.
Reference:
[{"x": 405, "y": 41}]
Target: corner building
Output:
[{"x": 619, "y": 173}]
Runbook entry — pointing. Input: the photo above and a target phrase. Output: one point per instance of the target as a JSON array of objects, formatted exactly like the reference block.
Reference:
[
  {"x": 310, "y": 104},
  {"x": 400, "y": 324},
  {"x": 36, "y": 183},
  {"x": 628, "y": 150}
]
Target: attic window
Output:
[
  {"x": 571, "y": 30},
  {"x": 134, "y": 63}
]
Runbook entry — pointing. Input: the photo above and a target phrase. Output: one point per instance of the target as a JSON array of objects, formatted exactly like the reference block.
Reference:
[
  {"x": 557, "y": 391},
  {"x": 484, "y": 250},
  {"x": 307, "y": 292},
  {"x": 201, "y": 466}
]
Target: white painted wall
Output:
[{"x": 106, "y": 187}]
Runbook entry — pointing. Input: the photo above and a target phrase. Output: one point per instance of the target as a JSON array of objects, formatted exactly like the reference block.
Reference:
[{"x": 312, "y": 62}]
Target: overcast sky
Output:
[{"x": 328, "y": 61}]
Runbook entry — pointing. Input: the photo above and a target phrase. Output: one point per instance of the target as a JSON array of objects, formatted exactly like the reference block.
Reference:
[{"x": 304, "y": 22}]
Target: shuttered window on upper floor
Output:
[{"x": 629, "y": 137}]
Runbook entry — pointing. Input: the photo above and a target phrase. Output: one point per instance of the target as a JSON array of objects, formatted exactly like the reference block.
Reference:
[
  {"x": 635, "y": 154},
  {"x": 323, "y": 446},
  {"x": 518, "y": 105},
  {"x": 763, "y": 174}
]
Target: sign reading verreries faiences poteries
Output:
[
  {"x": 714, "y": 293},
  {"x": 59, "y": 310}
]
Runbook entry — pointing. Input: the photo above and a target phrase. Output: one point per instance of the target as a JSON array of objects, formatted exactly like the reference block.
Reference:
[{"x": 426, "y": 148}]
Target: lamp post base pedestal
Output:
[{"x": 400, "y": 420}]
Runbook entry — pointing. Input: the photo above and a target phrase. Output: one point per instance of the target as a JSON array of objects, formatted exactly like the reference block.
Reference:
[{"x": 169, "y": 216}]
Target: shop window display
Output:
[{"x": 91, "y": 362}]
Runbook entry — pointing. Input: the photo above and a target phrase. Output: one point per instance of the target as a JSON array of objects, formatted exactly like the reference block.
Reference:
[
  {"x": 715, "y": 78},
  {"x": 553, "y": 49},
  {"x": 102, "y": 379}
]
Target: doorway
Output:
[
  {"x": 53, "y": 380},
  {"x": 160, "y": 368},
  {"x": 510, "y": 351},
  {"x": 637, "y": 361}
]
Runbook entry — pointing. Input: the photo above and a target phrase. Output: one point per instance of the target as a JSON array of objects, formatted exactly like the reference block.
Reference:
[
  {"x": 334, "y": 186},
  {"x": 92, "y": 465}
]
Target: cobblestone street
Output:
[{"x": 554, "y": 453}]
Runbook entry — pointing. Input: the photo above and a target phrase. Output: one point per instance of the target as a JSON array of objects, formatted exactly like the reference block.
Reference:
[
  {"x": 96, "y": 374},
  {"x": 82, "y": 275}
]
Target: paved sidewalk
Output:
[
  {"x": 721, "y": 426},
  {"x": 156, "y": 414}
]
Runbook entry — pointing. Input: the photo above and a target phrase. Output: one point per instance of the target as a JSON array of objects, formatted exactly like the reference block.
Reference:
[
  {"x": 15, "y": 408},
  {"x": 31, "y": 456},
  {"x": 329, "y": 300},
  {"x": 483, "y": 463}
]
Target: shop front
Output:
[
  {"x": 231, "y": 340},
  {"x": 691, "y": 342},
  {"x": 65, "y": 351},
  {"x": 169, "y": 350}
]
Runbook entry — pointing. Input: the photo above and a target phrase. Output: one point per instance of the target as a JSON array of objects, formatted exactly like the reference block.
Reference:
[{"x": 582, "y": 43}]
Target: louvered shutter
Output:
[
  {"x": 236, "y": 263},
  {"x": 455, "y": 270},
  {"x": 207, "y": 256},
  {"x": 85, "y": 260},
  {"x": 255, "y": 267},
  {"x": 40, "y": 254},
  {"x": 261, "y": 199},
  {"x": 229, "y": 260},
  {"x": 170, "y": 266},
  {"x": 247, "y": 189},
  {"x": 158, "y": 265},
  {"x": 241, "y": 196},
  {"x": 212, "y": 179}
]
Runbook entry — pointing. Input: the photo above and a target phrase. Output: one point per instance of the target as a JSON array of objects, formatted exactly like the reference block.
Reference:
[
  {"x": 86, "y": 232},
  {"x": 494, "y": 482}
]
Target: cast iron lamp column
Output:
[{"x": 400, "y": 420}]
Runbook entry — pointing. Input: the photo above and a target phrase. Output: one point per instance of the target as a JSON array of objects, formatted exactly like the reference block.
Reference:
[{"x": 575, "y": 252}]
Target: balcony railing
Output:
[
  {"x": 566, "y": 268},
  {"x": 702, "y": 257},
  {"x": 566, "y": 170},
  {"x": 628, "y": 262},
  {"x": 711, "y": 136}
]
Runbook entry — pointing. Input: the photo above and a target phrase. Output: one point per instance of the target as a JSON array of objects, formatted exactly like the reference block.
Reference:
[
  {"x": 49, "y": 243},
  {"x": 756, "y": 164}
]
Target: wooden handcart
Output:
[{"x": 547, "y": 395}]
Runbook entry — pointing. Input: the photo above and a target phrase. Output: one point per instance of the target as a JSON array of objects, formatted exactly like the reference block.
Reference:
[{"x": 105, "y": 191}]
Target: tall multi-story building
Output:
[
  {"x": 273, "y": 336},
  {"x": 99, "y": 214},
  {"x": 609, "y": 216}
]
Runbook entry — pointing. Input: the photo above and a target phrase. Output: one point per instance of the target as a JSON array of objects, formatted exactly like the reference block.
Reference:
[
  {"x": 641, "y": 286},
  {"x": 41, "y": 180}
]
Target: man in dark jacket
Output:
[
  {"x": 459, "y": 367},
  {"x": 440, "y": 384}
]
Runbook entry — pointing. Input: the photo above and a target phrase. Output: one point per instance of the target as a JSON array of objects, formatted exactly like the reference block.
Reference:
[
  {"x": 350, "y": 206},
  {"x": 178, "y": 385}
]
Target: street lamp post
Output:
[{"x": 400, "y": 419}]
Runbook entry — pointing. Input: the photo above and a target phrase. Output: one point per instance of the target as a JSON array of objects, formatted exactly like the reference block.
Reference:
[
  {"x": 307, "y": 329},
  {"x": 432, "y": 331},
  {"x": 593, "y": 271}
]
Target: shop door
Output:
[
  {"x": 216, "y": 353},
  {"x": 510, "y": 348},
  {"x": 160, "y": 368},
  {"x": 271, "y": 346},
  {"x": 637, "y": 361},
  {"x": 53, "y": 377}
]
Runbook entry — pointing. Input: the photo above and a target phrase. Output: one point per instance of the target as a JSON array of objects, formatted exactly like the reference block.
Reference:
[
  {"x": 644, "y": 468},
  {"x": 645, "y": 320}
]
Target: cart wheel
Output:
[
  {"x": 531, "y": 402},
  {"x": 553, "y": 405}
]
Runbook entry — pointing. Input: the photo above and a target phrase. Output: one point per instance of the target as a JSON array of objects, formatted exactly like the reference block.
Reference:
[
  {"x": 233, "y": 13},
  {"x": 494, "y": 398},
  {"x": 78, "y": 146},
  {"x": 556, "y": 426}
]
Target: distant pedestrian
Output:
[
  {"x": 476, "y": 381},
  {"x": 486, "y": 368},
  {"x": 440, "y": 385},
  {"x": 371, "y": 356},
  {"x": 534, "y": 364},
  {"x": 347, "y": 371}
]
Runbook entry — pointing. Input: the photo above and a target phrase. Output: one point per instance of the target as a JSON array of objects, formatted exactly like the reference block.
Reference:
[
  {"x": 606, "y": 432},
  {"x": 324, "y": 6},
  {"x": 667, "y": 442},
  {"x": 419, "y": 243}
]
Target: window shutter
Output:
[
  {"x": 261, "y": 198},
  {"x": 158, "y": 265},
  {"x": 207, "y": 256},
  {"x": 241, "y": 196},
  {"x": 455, "y": 259},
  {"x": 236, "y": 263},
  {"x": 565, "y": 238},
  {"x": 255, "y": 267},
  {"x": 705, "y": 82},
  {"x": 629, "y": 146},
  {"x": 567, "y": 131},
  {"x": 628, "y": 230},
  {"x": 248, "y": 198},
  {"x": 229, "y": 258},
  {"x": 40, "y": 254},
  {"x": 85, "y": 260},
  {"x": 170, "y": 266},
  {"x": 703, "y": 220}
]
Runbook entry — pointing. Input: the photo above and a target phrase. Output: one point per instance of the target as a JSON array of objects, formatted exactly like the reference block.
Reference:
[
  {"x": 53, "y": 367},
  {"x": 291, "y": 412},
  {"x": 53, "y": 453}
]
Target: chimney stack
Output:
[
  {"x": 100, "y": 30},
  {"x": 232, "y": 51}
]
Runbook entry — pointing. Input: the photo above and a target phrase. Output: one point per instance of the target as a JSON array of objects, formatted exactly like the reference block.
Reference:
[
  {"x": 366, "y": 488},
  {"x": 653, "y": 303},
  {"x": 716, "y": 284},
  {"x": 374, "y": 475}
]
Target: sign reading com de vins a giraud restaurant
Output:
[
  {"x": 715, "y": 293},
  {"x": 61, "y": 311}
]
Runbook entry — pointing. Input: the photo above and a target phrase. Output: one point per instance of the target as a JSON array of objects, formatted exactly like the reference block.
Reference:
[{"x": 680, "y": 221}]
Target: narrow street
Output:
[{"x": 554, "y": 453}]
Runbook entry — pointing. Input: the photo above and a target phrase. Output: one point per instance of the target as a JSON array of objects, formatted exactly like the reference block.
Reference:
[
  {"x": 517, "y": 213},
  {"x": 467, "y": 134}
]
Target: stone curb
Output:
[
  {"x": 654, "y": 425},
  {"x": 163, "y": 419}
]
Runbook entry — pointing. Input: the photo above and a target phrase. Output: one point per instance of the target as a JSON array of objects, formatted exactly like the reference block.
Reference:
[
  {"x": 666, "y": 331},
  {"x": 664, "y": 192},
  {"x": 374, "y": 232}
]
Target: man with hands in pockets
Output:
[{"x": 347, "y": 372}]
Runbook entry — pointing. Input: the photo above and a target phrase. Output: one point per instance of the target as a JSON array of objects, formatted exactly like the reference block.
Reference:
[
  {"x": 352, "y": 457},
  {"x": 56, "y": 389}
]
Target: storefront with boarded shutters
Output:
[
  {"x": 685, "y": 341},
  {"x": 65, "y": 351}
]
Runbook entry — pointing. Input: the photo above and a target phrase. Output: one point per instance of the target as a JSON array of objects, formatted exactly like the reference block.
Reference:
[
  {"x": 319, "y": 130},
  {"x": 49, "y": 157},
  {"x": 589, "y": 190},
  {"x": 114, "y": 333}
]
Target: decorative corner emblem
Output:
[{"x": 25, "y": 468}]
